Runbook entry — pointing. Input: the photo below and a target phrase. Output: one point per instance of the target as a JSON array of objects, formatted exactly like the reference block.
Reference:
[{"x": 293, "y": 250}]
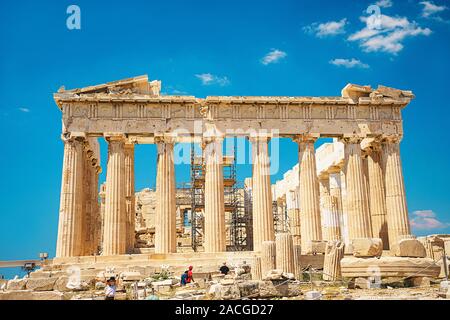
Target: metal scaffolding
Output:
[{"x": 238, "y": 219}]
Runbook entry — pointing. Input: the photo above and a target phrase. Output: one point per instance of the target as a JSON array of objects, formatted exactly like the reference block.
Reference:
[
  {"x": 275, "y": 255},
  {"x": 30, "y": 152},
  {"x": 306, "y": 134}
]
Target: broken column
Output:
[
  {"x": 311, "y": 228},
  {"x": 114, "y": 233},
  {"x": 214, "y": 227},
  {"x": 297, "y": 263},
  {"x": 69, "y": 241},
  {"x": 334, "y": 253},
  {"x": 165, "y": 219},
  {"x": 263, "y": 228},
  {"x": 256, "y": 269},
  {"x": 284, "y": 253},
  {"x": 268, "y": 257},
  {"x": 396, "y": 209}
]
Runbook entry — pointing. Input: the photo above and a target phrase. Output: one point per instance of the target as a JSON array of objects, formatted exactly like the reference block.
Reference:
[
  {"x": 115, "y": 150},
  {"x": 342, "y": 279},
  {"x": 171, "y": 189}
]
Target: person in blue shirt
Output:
[{"x": 184, "y": 278}]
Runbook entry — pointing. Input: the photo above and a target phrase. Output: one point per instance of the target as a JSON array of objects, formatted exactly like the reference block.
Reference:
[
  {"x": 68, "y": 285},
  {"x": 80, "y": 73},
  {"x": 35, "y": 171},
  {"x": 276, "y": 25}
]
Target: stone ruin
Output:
[{"x": 344, "y": 203}]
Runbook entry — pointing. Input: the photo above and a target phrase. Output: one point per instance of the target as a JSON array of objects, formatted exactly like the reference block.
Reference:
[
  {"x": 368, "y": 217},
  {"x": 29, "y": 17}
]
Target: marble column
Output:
[
  {"x": 130, "y": 195},
  {"x": 294, "y": 215},
  {"x": 377, "y": 195},
  {"x": 297, "y": 261},
  {"x": 344, "y": 225},
  {"x": 281, "y": 225},
  {"x": 359, "y": 224},
  {"x": 86, "y": 229},
  {"x": 334, "y": 252},
  {"x": 331, "y": 219},
  {"x": 90, "y": 216},
  {"x": 214, "y": 239},
  {"x": 91, "y": 219},
  {"x": 165, "y": 219},
  {"x": 96, "y": 210},
  {"x": 311, "y": 228},
  {"x": 284, "y": 252},
  {"x": 114, "y": 232},
  {"x": 324, "y": 193},
  {"x": 396, "y": 209},
  {"x": 256, "y": 269},
  {"x": 336, "y": 191},
  {"x": 69, "y": 242},
  {"x": 268, "y": 257},
  {"x": 263, "y": 226}
]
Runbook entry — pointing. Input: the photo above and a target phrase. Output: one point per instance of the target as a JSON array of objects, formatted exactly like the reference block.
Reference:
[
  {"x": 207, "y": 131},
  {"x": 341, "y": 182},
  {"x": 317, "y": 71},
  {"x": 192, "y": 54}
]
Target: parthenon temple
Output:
[{"x": 350, "y": 190}]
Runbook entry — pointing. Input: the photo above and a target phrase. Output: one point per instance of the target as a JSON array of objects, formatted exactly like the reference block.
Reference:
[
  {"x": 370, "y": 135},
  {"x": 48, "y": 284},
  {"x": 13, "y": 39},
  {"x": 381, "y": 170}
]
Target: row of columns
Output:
[
  {"x": 363, "y": 199},
  {"x": 368, "y": 182},
  {"x": 79, "y": 223}
]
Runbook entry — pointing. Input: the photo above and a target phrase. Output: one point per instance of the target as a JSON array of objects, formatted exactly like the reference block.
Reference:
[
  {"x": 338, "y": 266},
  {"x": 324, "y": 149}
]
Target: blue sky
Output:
[{"x": 205, "y": 48}]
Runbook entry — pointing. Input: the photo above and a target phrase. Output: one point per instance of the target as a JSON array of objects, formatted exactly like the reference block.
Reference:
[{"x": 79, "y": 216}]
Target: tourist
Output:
[
  {"x": 224, "y": 269},
  {"x": 184, "y": 278},
  {"x": 110, "y": 290},
  {"x": 190, "y": 278}
]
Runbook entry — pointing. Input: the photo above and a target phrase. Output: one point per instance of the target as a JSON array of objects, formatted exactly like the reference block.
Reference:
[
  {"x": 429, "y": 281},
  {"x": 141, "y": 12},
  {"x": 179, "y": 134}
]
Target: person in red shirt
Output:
[{"x": 189, "y": 277}]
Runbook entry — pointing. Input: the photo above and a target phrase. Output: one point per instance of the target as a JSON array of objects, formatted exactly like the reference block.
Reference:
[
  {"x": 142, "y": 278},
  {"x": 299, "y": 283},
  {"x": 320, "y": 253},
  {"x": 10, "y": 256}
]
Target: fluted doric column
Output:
[
  {"x": 377, "y": 194},
  {"x": 336, "y": 191},
  {"x": 256, "y": 269},
  {"x": 396, "y": 209},
  {"x": 284, "y": 253},
  {"x": 129, "y": 194},
  {"x": 71, "y": 208},
  {"x": 268, "y": 257},
  {"x": 334, "y": 252},
  {"x": 344, "y": 225},
  {"x": 359, "y": 225},
  {"x": 331, "y": 223},
  {"x": 114, "y": 237},
  {"x": 91, "y": 219},
  {"x": 311, "y": 228},
  {"x": 214, "y": 233},
  {"x": 292, "y": 204},
  {"x": 166, "y": 215},
  {"x": 263, "y": 228}
]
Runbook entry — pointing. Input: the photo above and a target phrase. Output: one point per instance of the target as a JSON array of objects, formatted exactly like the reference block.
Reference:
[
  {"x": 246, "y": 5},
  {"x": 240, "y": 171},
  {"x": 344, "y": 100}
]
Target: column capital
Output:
[
  {"x": 212, "y": 137},
  {"x": 305, "y": 138},
  {"x": 260, "y": 137},
  {"x": 129, "y": 145},
  {"x": 114, "y": 137},
  {"x": 167, "y": 138},
  {"x": 72, "y": 136},
  {"x": 391, "y": 139},
  {"x": 352, "y": 139}
]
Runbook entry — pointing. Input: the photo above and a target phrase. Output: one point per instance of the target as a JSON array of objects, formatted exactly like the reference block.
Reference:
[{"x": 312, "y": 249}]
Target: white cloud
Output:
[
  {"x": 330, "y": 28},
  {"x": 273, "y": 56},
  {"x": 384, "y": 3},
  {"x": 349, "y": 63},
  {"x": 26, "y": 110},
  {"x": 426, "y": 220},
  {"x": 389, "y": 34},
  {"x": 429, "y": 8},
  {"x": 210, "y": 79}
]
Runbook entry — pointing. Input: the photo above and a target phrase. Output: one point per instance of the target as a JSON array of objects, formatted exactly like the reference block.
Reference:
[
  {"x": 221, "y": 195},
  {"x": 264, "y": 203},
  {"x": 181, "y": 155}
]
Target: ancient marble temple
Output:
[{"x": 358, "y": 193}]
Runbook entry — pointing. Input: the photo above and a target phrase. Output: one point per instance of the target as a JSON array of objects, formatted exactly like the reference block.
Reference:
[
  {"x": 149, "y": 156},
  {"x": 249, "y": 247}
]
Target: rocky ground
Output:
[{"x": 44, "y": 286}]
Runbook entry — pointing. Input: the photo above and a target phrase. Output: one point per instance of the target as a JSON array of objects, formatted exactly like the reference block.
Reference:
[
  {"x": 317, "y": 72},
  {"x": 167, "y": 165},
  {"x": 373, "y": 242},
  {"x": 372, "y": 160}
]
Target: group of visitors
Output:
[{"x": 187, "y": 277}]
